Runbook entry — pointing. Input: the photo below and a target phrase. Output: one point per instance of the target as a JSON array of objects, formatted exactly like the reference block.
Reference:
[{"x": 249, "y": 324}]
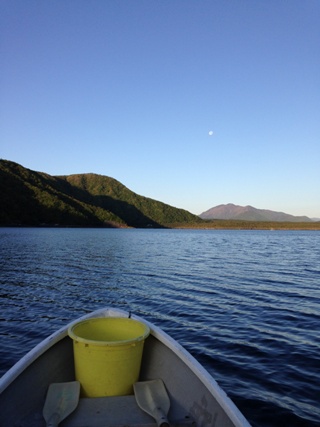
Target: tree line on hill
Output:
[{"x": 30, "y": 198}]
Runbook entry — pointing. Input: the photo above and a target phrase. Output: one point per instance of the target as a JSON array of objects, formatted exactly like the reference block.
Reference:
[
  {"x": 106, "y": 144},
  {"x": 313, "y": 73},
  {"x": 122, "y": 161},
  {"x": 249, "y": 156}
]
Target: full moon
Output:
[{"x": 210, "y": 132}]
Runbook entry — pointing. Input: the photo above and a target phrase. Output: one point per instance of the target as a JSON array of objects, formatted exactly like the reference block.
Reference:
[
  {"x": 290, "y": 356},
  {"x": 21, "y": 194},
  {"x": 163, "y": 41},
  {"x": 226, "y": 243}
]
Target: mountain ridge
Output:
[
  {"x": 31, "y": 198},
  {"x": 37, "y": 198},
  {"x": 249, "y": 213}
]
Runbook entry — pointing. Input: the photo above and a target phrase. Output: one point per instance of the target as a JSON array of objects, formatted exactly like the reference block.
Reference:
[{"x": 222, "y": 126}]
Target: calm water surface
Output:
[{"x": 246, "y": 304}]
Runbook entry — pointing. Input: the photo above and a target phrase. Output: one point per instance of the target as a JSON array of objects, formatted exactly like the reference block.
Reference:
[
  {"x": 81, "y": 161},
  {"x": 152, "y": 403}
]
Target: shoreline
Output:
[
  {"x": 205, "y": 225},
  {"x": 249, "y": 225}
]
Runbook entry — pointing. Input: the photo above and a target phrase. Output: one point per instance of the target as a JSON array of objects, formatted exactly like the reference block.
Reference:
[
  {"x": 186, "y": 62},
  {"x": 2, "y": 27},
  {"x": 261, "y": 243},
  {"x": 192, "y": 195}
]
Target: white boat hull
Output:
[{"x": 195, "y": 397}]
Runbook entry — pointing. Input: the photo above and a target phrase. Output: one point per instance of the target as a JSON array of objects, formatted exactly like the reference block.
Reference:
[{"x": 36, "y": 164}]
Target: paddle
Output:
[
  {"x": 152, "y": 398},
  {"x": 61, "y": 400}
]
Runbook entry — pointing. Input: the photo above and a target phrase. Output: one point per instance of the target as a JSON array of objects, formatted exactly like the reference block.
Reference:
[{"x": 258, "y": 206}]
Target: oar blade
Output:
[
  {"x": 152, "y": 398},
  {"x": 61, "y": 400}
]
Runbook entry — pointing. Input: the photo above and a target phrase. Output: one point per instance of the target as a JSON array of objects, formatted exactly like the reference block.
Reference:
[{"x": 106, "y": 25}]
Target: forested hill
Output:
[{"x": 35, "y": 198}]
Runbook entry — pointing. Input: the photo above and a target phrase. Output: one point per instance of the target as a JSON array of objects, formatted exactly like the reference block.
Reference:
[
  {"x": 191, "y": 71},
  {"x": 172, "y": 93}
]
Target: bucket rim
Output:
[{"x": 102, "y": 343}]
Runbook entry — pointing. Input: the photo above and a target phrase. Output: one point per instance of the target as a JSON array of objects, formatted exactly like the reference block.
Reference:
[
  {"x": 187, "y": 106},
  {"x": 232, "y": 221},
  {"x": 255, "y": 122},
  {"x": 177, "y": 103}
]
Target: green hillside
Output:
[{"x": 36, "y": 198}]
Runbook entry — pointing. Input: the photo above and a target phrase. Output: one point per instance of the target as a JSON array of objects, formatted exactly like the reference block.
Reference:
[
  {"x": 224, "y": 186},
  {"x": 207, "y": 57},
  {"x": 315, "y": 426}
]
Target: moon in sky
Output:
[{"x": 210, "y": 132}]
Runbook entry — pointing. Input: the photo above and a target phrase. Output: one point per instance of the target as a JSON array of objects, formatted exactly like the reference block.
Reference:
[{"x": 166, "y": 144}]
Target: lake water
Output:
[{"x": 246, "y": 304}]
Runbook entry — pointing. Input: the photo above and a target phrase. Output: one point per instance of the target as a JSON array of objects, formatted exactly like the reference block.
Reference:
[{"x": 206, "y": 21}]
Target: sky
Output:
[{"x": 194, "y": 103}]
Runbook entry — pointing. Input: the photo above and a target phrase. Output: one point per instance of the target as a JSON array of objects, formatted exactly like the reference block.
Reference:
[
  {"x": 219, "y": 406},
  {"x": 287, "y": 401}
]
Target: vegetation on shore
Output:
[
  {"x": 30, "y": 198},
  {"x": 232, "y": 224}
]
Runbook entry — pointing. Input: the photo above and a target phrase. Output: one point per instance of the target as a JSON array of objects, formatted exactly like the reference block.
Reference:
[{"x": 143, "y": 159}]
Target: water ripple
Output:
[{"x": 246, "y": 304}]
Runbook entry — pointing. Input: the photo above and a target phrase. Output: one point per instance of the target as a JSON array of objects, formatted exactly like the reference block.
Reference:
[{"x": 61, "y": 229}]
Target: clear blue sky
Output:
[{"x": 131, "y": 89}]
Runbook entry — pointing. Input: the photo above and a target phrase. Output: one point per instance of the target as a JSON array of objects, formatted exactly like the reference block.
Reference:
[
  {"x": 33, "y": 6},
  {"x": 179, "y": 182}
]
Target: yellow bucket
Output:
[{"x": 107, "y": 354}]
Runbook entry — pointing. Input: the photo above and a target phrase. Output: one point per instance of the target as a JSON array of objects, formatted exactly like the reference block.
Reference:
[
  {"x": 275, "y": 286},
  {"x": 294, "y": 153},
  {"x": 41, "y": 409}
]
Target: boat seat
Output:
[{"x": 120, "y": 411}]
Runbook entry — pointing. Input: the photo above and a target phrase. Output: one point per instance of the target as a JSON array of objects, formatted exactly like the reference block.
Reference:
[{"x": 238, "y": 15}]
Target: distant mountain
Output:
[
  {"x": 36, "y": 198},
  {"x": 249, "y": 213}
]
